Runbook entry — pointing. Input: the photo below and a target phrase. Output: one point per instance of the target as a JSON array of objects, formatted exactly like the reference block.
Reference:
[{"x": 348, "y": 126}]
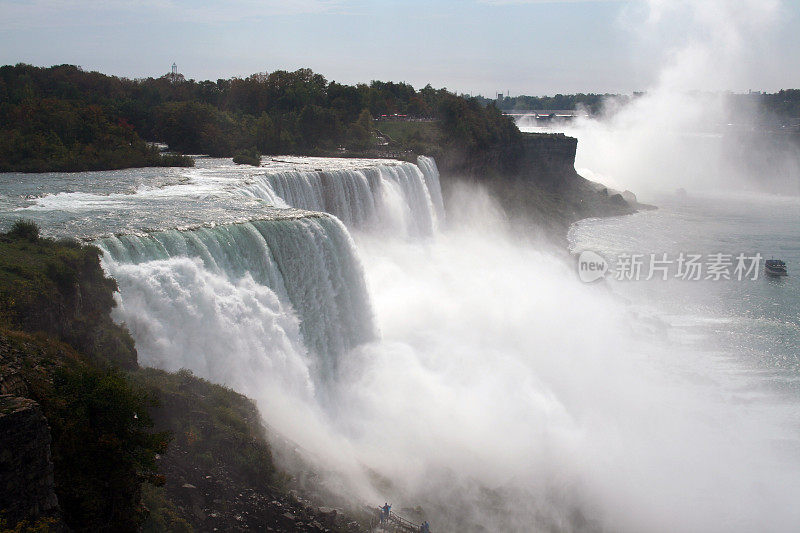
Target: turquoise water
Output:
[{"x": 754, "y": 322}]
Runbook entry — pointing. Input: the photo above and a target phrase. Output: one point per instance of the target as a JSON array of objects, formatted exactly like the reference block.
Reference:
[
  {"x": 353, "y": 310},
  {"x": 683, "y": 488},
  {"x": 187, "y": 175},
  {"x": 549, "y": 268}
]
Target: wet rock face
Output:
[
  {"x": 26, "y": 470},
  {"x": 549, "y": 158}
]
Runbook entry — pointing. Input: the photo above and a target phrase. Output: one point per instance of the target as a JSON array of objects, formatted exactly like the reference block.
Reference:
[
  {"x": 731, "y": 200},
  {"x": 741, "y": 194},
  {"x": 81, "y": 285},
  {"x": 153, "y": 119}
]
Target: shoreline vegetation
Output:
[
  {"x": 247, "y": 157},
  {"x": 63, "y": 118}
]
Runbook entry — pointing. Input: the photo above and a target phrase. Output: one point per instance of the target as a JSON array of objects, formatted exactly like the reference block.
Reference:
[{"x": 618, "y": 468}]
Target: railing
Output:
[{"x": 394, "y": 523}]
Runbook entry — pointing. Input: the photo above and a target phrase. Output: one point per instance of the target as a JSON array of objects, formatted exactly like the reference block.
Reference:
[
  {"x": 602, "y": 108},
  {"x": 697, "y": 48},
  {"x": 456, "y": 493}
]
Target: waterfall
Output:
[
  {"x": 431, "y": 174},
  {"x": 268, "y": 270},
  {"x": 234, "y": 332},
  {"x": 291, "y": 290},
  {"x": 276, "y": 308},
  {"x": 400, "y": 197}
]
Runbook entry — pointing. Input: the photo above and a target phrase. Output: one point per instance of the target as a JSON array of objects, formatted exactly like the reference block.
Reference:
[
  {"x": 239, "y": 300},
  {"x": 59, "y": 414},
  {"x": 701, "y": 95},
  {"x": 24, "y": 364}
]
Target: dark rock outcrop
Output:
[
  {"x": 549, "y": 158},
  {"x": 545, "y": 193},
  {"x": 26, "y": 470}
]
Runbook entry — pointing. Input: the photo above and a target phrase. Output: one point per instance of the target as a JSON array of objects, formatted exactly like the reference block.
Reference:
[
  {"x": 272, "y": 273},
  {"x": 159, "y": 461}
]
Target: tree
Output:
[{"x": 361, "y": 131}]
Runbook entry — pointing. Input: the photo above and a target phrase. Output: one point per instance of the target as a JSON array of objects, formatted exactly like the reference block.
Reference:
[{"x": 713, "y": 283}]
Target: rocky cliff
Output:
[
  {"x": 26, "y": 470},
  {"x": 548, "y": 158},
  {"x": 544, "y": 193}
]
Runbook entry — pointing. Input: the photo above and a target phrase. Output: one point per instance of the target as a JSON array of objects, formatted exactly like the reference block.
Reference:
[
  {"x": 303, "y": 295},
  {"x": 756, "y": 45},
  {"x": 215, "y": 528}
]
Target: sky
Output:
[{"x": 532, "y": 47}]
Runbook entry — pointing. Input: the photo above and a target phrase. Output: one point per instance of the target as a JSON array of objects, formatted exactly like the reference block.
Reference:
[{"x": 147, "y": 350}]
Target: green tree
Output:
[{"x": 361, "y": 131}]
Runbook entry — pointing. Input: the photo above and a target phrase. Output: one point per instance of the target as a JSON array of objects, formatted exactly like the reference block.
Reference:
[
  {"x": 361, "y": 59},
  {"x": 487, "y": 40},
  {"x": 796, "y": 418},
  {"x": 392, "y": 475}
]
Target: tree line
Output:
[
  {"x": 65, "y": 118},
  {"x": 783, "y": 104},
  {"x": 593, "y": 102}
]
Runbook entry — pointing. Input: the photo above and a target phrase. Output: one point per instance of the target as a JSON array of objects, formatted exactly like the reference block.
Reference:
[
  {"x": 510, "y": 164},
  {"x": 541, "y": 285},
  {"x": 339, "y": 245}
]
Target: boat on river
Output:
[{"x": 775, "y": 267}]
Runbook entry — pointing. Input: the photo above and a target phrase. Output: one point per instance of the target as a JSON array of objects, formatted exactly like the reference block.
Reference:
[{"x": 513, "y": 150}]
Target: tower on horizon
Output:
[{"x": 174, "y": 74}]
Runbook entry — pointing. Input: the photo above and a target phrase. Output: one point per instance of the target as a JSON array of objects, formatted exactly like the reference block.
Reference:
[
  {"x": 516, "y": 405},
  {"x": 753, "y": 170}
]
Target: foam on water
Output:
[
  {"x": 307, "y": 263},
  {"x": 400, "y": 198}
]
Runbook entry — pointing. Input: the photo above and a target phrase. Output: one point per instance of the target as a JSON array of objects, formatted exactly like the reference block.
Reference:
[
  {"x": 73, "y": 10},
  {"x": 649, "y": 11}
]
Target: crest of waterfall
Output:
[
  {"x": 304, "y": 266},
  {"x": 403, "y": 198}
]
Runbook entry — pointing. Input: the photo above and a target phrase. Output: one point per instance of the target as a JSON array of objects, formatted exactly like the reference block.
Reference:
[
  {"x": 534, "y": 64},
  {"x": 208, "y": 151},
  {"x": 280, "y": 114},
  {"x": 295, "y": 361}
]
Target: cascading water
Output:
[
  {"x": 403, "y": 198},
  {"x": 185, "y": 315},
  {"x": 308, "y": 263},
  {"x": 271, "y": 304},
  {"x": 270, "y": 307},
  {"x": 431, "y": 173}
]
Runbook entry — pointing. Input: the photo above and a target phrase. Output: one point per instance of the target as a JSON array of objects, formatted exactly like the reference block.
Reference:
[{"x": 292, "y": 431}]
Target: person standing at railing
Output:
[
  {"x": 385, "y": 514},
  {"x": 425, "y": 527}
]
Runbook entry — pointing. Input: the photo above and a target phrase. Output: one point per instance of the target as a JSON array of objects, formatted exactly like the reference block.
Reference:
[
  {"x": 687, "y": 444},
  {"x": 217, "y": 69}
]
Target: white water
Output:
[
  {"x": 498, "y": 391},
  {"x": 309, "y": 264},
  {"x": 177, "y": 308},
  {"x": 400, "y": 198},
  {"x": 514, "y": 376}
]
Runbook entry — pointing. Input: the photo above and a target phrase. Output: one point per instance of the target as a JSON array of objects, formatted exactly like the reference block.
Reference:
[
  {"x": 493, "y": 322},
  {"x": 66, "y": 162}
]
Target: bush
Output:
[
  {"x": 162, "y": 513},
  {"x": 25, "y": 229},
  {"x": 212, "y": 425},
  {"x": 247, "y": 157},
  {"x": 41, "y": 525},
  {"x": 56, "y": 332},
  {"x": 102, "y": 446},
  {"x": 176, "y": 160}
]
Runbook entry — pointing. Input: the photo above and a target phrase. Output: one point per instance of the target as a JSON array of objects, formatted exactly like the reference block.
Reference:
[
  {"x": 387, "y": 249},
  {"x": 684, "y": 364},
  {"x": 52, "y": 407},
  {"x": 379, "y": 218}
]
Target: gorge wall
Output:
[
  {"x": 544, "y": 193},
  {"x": 26, "y": 470},
  {"x": 548, "y": 158}
]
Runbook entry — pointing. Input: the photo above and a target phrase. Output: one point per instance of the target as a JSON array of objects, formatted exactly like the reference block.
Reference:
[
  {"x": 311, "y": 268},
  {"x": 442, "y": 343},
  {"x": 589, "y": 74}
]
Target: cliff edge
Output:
[{"x": 542, "y": 189}]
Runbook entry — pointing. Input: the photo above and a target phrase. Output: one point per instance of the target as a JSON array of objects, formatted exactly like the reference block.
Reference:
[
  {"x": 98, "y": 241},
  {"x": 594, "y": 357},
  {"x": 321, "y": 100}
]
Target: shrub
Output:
[
  {"x": 61, "y": 290},
  {"x": 247, "y": 157},
  {"x": 25, "y": 229},
  {"x": 102, "y": 446}
]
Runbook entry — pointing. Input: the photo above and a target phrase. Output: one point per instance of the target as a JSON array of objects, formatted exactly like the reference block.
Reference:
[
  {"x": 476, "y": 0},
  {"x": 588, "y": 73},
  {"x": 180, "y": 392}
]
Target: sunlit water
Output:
[
  {"x": 755, "y": 321},
  {"x": 467, "y": 370},
  {"x": 89, "y": 205}
]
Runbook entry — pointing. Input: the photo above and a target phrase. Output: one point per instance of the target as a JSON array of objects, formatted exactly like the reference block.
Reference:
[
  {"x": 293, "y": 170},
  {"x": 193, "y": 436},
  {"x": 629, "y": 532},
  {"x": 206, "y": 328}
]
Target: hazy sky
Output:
[{"x": 479, "y": 46}]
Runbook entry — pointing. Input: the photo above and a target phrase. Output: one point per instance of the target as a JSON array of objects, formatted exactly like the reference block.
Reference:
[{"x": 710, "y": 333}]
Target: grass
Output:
[
  {"x": 421, "y": 137},
  {"x": 214, "y": 424},
  {"x": 59, "y": 288}
]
